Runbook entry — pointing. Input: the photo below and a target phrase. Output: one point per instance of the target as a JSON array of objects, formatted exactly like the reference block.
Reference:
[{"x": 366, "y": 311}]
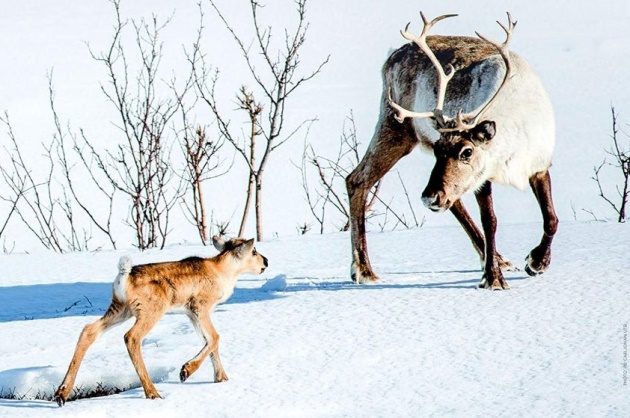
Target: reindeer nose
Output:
[
  {"x": 265, "y": 261},
  {"x": 435, "y": 201}
]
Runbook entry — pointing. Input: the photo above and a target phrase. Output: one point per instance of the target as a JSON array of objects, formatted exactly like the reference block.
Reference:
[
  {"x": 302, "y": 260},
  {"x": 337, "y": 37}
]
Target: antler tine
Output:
[
  {"x": 402, "y": 113},
  {"x": 505, "y": 54},
  {"x": 443, "y": 77}
]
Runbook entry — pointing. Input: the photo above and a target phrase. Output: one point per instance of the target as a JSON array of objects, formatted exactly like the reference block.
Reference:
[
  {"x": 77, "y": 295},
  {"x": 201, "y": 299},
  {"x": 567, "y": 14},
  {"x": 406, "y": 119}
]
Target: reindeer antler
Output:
[
  {"x": 463, "y": 121},
  {"x": 443, "y": 77},
  {"x": 460, "y": 120}
]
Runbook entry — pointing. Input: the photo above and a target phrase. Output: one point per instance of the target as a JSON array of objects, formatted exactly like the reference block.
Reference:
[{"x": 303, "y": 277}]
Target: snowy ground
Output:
[{"x": 422, "y": 342}]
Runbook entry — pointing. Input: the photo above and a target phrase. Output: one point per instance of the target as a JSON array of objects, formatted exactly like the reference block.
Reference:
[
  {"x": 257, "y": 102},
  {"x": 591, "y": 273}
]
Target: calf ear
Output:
[
  {"x": 484, "y": 131},
  {"x": 218, "y": 242},
  {"x": 245, "y": 247}
]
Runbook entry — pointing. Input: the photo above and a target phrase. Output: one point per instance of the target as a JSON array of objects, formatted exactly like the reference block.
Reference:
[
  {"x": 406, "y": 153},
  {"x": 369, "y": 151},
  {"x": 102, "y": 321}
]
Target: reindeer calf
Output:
[{"x": 147, "y": 291}]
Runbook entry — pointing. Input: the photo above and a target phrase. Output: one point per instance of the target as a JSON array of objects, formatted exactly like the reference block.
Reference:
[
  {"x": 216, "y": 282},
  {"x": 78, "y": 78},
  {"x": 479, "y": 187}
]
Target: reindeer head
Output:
[
  {"x": 464, "y": 139},
  {"x": 242, "y": 251},
  {"x": 460, "y": 165}
]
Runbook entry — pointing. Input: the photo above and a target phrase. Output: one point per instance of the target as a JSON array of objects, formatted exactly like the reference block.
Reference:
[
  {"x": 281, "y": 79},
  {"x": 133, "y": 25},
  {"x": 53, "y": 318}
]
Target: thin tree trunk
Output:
[
  {"x": 259, "y": 233},
  {"x": 203, "y": 226},
  {"x": 248, "y": 203},
  {"x": 252, "y": 175},
  {"x": 624, "y": 200}
]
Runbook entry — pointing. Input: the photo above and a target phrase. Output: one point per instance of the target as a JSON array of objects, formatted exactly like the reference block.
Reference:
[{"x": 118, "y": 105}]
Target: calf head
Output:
[{"x": 243, "y": 253}]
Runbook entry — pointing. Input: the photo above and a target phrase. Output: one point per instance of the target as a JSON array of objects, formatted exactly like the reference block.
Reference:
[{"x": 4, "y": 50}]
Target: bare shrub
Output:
[
  {"x": 140, "y": 165},
  {"x": 328, "y": 194},
  {"x": 275, "y": 73},
  {"x": 618, "y": 161}
]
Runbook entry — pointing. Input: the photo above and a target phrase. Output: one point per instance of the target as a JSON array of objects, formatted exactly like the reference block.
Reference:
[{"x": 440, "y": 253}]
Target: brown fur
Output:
[{"x": 197, "y": 284}]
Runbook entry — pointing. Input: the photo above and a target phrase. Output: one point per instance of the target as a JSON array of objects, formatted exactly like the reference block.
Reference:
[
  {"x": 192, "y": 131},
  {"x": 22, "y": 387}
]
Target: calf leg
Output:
[
  {"x": 539, "y": 258},
  {"x": 211, "y": 337},
  {"x": 492, "y": 276},
  {"x": 116, "y": 313},
  {"x": 475, "y": 235},
  {"x": 391, "y": 142},
  {"x": 133, "y": 340}
]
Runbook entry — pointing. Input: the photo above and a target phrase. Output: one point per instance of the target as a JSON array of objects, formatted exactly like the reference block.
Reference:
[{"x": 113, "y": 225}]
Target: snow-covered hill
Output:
[{"x": 424, "y": 341}]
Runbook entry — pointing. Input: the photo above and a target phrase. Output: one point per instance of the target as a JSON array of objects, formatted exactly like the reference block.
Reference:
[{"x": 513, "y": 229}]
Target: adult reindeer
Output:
[{"x": 503, "y": 132}]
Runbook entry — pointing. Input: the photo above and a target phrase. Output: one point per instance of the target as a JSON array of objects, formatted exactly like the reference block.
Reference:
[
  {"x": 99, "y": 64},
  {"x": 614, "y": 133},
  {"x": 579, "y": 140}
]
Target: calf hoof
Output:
[
  {"x": 153, "y": 394},
  {"x": 60, "y": 396},
  {"x": 220, "y": 377},
  {"x": 362, "y": 275},
  {"x": 184, "y": 373},
  {"x": 536, "y": 264},
  {"x": 60, "y": 400}
]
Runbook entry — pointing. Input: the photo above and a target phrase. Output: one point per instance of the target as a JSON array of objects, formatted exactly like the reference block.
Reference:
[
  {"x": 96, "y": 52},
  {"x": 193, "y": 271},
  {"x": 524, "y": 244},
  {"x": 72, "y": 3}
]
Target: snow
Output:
[
  {"x": 302, "y": 340},
  {"x": 276, "y": 284}
]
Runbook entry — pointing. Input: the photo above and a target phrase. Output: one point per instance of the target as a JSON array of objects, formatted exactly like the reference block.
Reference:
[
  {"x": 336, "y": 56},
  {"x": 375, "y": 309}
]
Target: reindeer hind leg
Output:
[
  {"x": 540, "y": 257},
  {"x": 133, "y": 340},
  {"x": 116, "y": 313}
]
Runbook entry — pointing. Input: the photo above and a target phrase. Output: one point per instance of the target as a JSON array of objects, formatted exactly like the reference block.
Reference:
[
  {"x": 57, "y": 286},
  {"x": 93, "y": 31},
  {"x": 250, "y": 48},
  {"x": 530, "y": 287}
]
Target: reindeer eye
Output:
[{"x": 466, "y": 154}]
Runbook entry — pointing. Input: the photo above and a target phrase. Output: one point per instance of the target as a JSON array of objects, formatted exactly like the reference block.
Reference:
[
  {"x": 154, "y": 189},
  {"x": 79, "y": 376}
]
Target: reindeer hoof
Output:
[
  {"x": 362, "y": 276},
  {"x": 153, "y": 395},
  {"x": 60, "y": 400},
  {"x": 60, "y": 397},
  {"x": 505, "y": 264},
  {"x": 535, "y": 267},
  {"x": 221, "y": 377},
  {"x": 496, "y": 283}
]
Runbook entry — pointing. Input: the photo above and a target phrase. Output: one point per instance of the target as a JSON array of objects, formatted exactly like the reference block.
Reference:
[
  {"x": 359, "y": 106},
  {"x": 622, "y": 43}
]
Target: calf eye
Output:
[{"x": 466, "y": 154}]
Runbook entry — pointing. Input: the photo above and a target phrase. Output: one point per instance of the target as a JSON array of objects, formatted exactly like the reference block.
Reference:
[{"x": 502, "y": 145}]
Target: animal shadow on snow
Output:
[
  {"x": 312, "y": 284},
  {"x": 44, "y": 301}
]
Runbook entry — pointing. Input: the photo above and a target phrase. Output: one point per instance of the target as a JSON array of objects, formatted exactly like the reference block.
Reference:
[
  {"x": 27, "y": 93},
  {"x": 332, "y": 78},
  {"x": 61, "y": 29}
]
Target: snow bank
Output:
[{"x": 276, "y": 284}]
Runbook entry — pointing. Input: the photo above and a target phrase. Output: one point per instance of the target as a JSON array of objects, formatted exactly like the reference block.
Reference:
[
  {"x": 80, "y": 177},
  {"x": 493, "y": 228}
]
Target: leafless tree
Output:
[
  {"x": 329, "y": 192},
  {"x": 620, "y": 160},
  {"x": 276, "y": 74},
  {"x": 140, "y": 166},
  {"x": 11, "y": 200},
  {"x": 38, "y": 200},
  {"x": 65, "y": 138}
]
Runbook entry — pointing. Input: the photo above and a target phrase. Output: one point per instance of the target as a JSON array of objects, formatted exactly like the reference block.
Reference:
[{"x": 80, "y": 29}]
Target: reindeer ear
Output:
[
  {"x": 484, "y": 132},
  {"x": 244, "y": 248},
  {"x": 218, "y": 242},
  {"x": 247, "y": 245}
]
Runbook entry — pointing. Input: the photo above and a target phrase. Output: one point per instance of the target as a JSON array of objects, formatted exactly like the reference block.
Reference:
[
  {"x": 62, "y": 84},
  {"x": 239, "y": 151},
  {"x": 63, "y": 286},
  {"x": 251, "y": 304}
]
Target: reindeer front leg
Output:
[
  {"x": 476, "y": 237},
  {"x": 492, "y": 276},
  {"x": 391, "y": 142}
]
